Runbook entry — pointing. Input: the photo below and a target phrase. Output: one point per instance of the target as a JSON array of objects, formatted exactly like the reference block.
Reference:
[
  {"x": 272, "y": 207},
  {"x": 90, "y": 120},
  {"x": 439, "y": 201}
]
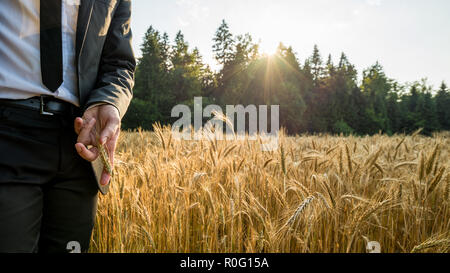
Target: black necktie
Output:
[{"x": 51, "y": 44}]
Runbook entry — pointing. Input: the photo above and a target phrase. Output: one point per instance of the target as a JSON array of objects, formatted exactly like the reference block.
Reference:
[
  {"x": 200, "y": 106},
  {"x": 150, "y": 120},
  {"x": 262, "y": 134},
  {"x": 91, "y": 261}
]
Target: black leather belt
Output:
[{"x": 47, "y": 106}]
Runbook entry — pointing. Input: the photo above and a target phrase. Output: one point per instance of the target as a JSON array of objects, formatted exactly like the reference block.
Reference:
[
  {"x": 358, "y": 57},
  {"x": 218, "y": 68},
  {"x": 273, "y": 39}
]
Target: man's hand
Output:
[{"x": 104, "y": 119}]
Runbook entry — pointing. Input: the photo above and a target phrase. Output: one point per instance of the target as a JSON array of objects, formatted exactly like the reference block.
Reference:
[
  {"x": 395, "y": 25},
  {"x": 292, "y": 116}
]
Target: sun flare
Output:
[{"x": 267, "y": 48}]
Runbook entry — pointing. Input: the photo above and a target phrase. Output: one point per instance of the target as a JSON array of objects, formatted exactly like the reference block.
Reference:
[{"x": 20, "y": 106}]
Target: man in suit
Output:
[{"x": 66, "y": 78}]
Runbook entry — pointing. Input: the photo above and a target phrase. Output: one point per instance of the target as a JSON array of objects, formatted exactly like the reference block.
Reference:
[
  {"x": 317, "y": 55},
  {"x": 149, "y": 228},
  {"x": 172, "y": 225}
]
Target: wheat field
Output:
[{"x": 315, "y": 194}]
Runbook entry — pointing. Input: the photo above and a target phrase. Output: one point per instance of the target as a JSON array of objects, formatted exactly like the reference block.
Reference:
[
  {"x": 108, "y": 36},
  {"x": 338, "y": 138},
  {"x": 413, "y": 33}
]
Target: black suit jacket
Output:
[{"x": 105, "y": 59}]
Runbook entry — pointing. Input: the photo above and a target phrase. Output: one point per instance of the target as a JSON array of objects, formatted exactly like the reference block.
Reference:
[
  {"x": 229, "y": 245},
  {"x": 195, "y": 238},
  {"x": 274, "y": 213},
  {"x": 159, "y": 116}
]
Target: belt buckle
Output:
[{"x": 42, "y": 110}]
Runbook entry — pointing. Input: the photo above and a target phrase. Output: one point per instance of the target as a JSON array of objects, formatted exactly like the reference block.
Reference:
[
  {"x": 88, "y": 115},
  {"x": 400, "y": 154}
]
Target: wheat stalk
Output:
[{"x": 104, "y": 156}]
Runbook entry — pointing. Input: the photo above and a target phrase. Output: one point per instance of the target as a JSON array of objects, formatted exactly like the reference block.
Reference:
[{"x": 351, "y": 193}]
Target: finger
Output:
[
  {"x": 85, "y": 153},
  {"x": 106, "y": 177},
  {"x": 85, "y": 133},
  {"x": 109, "y": 131},
  {"x": 78, "y": 125}
]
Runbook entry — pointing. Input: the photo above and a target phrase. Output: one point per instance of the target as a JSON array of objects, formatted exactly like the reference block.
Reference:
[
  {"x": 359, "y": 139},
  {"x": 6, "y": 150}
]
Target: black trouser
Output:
[{"x": 48, "y": 194}]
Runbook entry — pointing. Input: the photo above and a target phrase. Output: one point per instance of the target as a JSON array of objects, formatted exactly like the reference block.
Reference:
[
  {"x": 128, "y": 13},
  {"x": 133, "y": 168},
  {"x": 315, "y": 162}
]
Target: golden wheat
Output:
[{"x": 172, "y": 195}]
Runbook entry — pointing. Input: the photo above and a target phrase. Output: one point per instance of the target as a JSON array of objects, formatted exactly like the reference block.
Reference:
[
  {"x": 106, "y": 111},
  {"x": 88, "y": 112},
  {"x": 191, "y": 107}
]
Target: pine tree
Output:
[
  {"x": 426, "y": 111},
  {"x": 151, "y": 88},
  {"x": 393, "y": 109},
  {"x": 316, "y": 65},
  {"x": 330, "y": 68},
  {"x": 443, "y": 107},
  {"x": 376, "y": 87},
  {"x": 223, "y": 44},
  {"x": 185, "y": 76}
]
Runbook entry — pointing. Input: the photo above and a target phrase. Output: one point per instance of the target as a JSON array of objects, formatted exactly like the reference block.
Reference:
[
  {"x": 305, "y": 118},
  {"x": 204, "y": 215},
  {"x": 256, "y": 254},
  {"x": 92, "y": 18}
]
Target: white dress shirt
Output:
[{"x": 20, "y": 63}]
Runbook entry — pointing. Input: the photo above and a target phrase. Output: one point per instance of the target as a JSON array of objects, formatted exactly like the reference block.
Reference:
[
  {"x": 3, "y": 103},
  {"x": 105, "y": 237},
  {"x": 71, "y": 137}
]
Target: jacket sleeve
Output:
[{"x": 115, "y": 79}]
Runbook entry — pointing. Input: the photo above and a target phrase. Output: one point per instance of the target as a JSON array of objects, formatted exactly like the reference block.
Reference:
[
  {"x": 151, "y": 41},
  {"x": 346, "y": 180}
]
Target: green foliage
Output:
[
  {"x": 167, "y": 75},
  {"x": 341, "y": 127},
  {"x": 375, "y": 87},
  {"x": 313, "y": 96}
]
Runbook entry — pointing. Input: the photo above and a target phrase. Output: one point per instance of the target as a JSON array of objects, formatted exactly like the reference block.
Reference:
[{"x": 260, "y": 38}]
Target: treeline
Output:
[{"x": 315, "y": 95}]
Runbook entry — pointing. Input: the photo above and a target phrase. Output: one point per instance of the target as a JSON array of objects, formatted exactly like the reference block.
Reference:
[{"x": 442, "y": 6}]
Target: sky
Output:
[{"x": 410, "y": 38}]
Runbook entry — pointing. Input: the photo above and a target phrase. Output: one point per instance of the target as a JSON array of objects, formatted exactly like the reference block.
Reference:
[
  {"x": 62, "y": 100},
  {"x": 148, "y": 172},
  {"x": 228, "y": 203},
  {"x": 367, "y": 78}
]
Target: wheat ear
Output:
[{"x": 104, "y": 156}]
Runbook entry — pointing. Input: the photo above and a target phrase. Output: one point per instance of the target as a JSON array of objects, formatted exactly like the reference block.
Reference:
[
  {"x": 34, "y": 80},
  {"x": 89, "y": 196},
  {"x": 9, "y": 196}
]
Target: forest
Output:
[{"x": 315, "y": 94}]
